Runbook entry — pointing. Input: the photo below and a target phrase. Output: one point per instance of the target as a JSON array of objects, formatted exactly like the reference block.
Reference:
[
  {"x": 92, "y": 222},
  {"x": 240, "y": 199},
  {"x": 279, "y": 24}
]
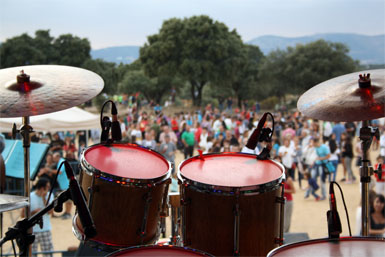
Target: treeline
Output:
[{"x": 199, "y": 58}]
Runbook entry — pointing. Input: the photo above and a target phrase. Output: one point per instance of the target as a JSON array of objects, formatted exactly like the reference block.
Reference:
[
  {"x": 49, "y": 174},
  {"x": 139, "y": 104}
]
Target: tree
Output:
[
  {"x": 44, "y": 49},
  {"x": 72, "y": 50},
  {"x": 245, "y": 72},
  {"x": 20, "y": 51},
  {"x": 108, "y": 71},
  {"x": 197, "y": 49},
  {"x": 136, "y": 81},
  {"x": 299, "y": 68}
]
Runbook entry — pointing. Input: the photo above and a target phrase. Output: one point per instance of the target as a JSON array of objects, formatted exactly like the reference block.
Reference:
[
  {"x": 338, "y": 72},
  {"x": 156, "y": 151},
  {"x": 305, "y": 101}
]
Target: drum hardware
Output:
[
  {"x": 340, "y": 99},
  {"x": 165, "y": 205},
  {"x": 106, "y": 125},
  {"x": 237, "y": 224},
  {"x": 47, "y": 88},
  {"x": 129, "y": 181},
  {"x": 281, "y": 200},
  {"x": 159, "y": 250},
  {"x": 222, "y": 209},
  {"x": 148, "y": 199},
  {"x": 175, "y": 203}
]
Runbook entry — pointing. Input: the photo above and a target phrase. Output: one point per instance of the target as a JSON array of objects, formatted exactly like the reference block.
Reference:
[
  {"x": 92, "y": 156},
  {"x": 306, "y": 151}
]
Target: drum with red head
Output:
[
  {"x": 126, "y": 188},
  {"x": 349, "y": 247},
  {"x": 159, "y": 251},
  {"x": 231, "y": 204}
]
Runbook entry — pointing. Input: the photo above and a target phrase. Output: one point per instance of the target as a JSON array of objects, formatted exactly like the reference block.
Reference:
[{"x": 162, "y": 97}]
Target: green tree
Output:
[
  {"x": 108, "y": 71},
  {"x": 72, "y": 50},
  {"x": 196, "y": 49},
  {"x": 300, "y": 68},
  {"x": 245, "y": 69},
  {"x": 20, "y": 51},
  {"x": 136, "y": 81}
]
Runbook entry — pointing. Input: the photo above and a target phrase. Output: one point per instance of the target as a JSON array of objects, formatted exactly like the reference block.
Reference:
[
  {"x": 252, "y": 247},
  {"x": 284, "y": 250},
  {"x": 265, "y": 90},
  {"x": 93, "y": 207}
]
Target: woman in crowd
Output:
[{"x": 377, "y": 217}]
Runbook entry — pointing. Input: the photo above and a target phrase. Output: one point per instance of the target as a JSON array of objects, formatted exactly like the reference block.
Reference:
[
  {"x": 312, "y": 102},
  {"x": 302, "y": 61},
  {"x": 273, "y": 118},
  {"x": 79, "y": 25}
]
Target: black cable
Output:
[
  {"x": 346, "y": 210},
  {"x": 13, "y": 246},
  {"x": 101, "y": 112},
  {"x": 54, "y": 183}
]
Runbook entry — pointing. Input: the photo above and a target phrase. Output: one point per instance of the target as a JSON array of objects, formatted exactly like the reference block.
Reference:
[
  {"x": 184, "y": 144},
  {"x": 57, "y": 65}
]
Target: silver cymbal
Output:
[
  {"x": 50, "y": 88},
  {"x": 12, "y": 202},
  {"x": 341, "y": 98}
]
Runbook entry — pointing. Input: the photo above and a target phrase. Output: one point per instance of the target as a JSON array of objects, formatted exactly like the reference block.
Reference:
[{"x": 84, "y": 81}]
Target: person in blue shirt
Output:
[
  {"x": 338, "y": 129},
  {"x": 39, "y": 197},
  {"x": 323, "y": 154}
]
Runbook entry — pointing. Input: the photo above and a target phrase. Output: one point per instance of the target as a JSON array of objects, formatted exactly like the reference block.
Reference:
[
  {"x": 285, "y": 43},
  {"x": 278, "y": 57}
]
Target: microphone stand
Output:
[
  {"x": 366, "y": 136},
  {"x": 20, "y": 231}
]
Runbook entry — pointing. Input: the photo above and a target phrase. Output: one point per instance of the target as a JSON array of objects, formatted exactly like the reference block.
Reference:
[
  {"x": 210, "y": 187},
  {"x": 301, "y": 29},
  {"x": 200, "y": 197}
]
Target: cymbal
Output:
[
  {"x": 43, "y": 89},
  {"x": 12, "y": 202},
  {"x": 342, "y": 99}
]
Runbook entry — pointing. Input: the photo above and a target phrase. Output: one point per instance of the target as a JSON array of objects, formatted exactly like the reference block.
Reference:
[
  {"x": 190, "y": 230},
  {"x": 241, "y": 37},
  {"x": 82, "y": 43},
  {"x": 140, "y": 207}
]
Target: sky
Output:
[{"x": 129, "y": 22}]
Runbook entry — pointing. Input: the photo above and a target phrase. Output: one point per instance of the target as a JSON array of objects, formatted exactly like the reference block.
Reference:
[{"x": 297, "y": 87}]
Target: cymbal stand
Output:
[
  {"x": 25, "y": 131},
  {"x": 366, "y": 136}
]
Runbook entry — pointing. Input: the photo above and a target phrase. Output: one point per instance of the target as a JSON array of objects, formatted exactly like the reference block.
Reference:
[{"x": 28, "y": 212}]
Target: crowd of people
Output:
[{"x": 311, "y": 151}]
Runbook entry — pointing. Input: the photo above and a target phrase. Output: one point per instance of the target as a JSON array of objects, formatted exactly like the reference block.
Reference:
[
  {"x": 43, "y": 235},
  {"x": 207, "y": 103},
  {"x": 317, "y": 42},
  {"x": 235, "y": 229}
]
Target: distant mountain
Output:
[
  {"x": 117, "y": 54},
  {"x": 366, "y": 49}
]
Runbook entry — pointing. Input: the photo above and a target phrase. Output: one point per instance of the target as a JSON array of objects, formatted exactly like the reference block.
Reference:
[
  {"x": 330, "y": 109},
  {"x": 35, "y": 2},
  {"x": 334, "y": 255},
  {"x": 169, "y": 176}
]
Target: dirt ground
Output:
[{"x": 308, "y": 216}]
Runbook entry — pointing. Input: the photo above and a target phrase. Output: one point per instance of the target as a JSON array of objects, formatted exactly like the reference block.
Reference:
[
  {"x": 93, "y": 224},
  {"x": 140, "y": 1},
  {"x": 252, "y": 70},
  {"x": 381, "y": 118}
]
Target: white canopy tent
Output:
[{"x": 66, "y": 120}]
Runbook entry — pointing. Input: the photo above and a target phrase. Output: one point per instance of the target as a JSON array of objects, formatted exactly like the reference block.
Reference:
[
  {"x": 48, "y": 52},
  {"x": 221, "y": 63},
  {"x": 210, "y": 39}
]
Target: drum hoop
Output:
[
  {"x": 158, "y": 246},
  {"x": 321, "y": 240},
  {"x": 226, "y": 190},
  {"x": 103, "y": 246},
  {"x": 92, "y": 171}
]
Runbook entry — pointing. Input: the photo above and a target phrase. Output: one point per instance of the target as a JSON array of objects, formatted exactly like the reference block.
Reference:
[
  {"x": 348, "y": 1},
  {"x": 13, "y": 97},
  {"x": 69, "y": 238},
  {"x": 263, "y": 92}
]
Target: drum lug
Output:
[
  {"x": 185, "y": 202},
  {"x": 279, "y": 199},
  {"x": 278, "y": 241}
]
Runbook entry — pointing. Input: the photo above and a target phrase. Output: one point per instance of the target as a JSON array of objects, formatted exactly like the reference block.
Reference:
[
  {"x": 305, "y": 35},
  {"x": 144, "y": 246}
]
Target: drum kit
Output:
[{"x": 230, "y": 204}]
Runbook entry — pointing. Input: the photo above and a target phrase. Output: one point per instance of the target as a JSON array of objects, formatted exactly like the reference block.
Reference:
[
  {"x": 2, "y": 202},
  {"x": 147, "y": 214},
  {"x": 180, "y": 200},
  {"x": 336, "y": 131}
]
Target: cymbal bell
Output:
[
  {"x": 342, "y": 98},
  {"x": 39, "y": 89}
]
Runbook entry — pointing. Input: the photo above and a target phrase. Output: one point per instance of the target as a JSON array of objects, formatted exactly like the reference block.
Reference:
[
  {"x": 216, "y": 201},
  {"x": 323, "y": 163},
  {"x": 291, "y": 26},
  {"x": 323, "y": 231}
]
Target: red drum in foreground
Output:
[
  {"x": 126, "y": 187},
  {"x": 156, "y": 250},
  {"x": 349, "y": 247},
  {"x": 231, "y": 204}
]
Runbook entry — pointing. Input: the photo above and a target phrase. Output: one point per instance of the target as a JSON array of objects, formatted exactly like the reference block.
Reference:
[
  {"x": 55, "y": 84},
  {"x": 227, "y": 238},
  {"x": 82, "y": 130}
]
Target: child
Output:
[{"x": 312, "y": 187}]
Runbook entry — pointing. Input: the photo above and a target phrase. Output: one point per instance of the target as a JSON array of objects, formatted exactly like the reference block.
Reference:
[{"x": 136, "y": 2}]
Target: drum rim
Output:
[
  {"x": 124, "y": 181},
  {"x": 322, "y": 240},
  {"x": 220, "y": 189},
  {"x": 188, "y": 249}
]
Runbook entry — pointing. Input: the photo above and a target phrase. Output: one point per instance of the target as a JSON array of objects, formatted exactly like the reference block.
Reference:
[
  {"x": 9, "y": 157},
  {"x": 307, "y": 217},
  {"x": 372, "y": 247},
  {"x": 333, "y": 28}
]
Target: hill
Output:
[{"x": 366, "y": 49}]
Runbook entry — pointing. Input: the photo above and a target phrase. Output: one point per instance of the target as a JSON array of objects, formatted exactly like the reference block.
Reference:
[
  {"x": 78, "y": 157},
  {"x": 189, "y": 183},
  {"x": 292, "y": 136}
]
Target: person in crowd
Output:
[
  {"x": 188, "y": 142},
  {"x": 38, "y": 201},
  {"x": 69, "y": 145},
  {"x": 167, "y": 131},
  {"x": 338, "y": 129},
  {"x": 168, "y": 149},
  {"x": 334, "y": 156},
  {"x": 56, "y": 144},
  {"x": 288, "y": 194},
  {"x": 380, "y": 182},
  {"x": 312, "y": 187},
  {"x": 287, "y": 155},
  {"x": 377, "y": 217},
  {"x": 319, "y": 170},
  {"x": 149, "y": 141},
  {"x": 347, "y": 154}
]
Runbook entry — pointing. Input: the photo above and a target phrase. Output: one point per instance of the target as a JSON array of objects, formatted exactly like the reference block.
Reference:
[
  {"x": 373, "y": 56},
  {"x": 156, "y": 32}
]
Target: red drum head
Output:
[
  {"x": 126, "y": 161},
  {"x": 350, "y": 247},
  {"x": 231, "y": 170},
  {"x": 161, "y": 251}
]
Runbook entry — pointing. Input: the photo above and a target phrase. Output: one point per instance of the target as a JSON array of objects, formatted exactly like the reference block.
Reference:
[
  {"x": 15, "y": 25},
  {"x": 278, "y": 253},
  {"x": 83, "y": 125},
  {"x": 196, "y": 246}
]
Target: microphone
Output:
[
  {"x": 77, "y": 196},
  {"x": 116, "y": 132},
  {"x": 333, "y": 218},
  {"x": 254, "y": 138},
  {"x": 106, "y": 124}
]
